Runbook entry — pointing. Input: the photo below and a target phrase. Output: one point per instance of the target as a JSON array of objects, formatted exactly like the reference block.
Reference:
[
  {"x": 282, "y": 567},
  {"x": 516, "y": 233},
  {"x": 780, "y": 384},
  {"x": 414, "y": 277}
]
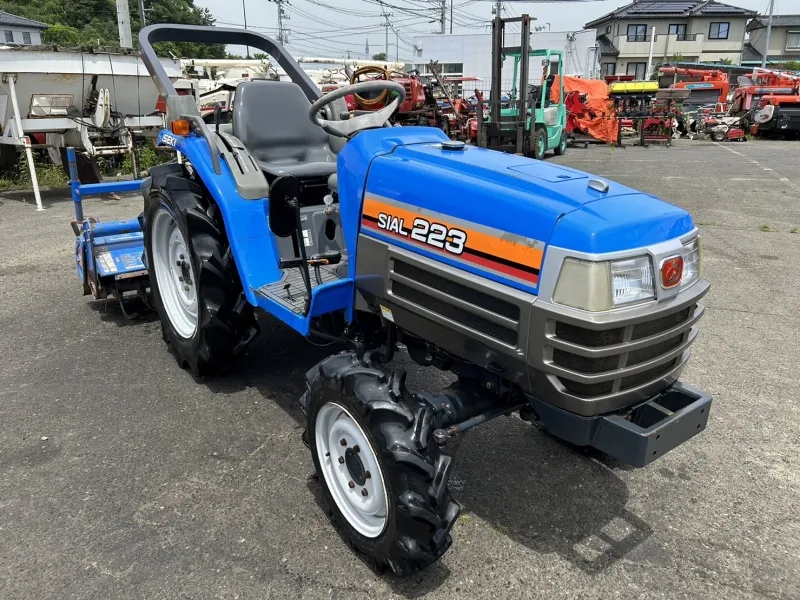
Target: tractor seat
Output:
[{"x": 271, "y": 120}]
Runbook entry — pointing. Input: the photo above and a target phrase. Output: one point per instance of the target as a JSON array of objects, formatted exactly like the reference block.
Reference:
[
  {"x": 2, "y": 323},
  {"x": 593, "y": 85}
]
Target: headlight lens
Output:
[
  {"x": 632, "y": 280},
  {"x": 584, "y": 284},
  {"x": 598, "y": 286},
  {"x": 692, "y": 262}
]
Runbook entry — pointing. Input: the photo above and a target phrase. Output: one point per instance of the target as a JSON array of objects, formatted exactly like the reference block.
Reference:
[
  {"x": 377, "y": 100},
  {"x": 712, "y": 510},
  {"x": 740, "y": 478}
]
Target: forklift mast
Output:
[{"x": 499, "y": 52}]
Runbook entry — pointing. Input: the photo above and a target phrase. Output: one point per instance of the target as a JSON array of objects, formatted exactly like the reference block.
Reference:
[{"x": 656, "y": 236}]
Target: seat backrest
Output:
[{"x": 271, "y": 119}]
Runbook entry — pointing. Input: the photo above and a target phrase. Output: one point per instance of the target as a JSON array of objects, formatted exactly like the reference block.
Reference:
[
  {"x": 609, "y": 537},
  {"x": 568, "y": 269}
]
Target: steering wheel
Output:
[{"x": 368, "y": 120}]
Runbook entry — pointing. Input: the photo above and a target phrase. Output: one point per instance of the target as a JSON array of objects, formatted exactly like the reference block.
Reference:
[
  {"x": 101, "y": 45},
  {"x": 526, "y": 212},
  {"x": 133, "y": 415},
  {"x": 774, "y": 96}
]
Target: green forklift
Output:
[{"x": 529, "y": 122}]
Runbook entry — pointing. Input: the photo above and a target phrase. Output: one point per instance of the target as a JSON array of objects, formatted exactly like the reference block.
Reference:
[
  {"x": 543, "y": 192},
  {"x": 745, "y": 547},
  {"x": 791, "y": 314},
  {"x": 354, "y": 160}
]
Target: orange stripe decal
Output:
[{"x": 486, "y": 249}]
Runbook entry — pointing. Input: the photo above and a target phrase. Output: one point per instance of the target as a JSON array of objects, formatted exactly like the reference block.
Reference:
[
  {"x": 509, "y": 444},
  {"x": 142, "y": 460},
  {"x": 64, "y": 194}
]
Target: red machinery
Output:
[
  {"x": 770, "y": 100},
  {"x": 705, "y": 86},
  {"x": 419, "y": 106}
]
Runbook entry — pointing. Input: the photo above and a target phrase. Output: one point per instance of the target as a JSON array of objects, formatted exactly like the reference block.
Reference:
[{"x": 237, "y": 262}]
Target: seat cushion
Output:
[{"x": 271, "y": 119}]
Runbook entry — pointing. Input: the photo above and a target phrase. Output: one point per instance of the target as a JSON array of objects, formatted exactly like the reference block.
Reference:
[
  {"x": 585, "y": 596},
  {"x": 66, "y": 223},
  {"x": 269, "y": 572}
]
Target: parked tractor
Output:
[
  {"x": 545, "y": 290},
  {"x": 532, "y": 123}
]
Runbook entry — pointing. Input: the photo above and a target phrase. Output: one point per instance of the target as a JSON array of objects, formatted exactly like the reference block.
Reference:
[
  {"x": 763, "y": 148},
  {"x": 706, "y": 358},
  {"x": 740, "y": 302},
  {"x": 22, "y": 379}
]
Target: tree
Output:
[
  {"x": 94, "y": 22},
  {"x": 725, "y": 61},
  {"x": 379, "y": 56}
]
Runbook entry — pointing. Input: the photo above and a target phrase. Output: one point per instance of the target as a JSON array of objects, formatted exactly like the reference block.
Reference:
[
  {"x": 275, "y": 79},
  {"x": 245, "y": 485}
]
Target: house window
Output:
[
  {"x": 608, "y": 29},
  {"x": 792, "y": 40},
  {"x": 679, "y": 31},
  {"x": 718, "y": 31},
  {"x": 26, "y": 38},
  {"x": 9, "y": 36},
  {"x": 637, "y": 33},
  {"x": 637, "y": 69},
  {"x": 609, "y": 69},
  {"x": 453, "y": 68}
]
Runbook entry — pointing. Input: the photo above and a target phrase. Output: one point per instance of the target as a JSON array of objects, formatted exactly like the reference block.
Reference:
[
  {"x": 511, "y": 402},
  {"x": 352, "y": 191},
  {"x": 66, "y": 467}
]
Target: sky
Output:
[{"x": 336, "y": 27}]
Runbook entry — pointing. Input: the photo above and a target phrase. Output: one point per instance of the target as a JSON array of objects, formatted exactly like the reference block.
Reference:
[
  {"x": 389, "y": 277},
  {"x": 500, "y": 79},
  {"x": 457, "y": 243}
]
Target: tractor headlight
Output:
[
  {"x": 692, "y": 262},
  {"x": 598, "y": 286}
]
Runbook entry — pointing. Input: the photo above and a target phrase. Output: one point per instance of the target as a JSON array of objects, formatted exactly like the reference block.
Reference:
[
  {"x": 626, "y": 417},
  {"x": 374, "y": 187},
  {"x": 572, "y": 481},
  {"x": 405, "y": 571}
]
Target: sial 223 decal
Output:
[{"x": 428, "y": 232}]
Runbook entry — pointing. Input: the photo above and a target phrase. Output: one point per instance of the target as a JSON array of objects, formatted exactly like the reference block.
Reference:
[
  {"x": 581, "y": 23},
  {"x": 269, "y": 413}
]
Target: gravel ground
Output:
[{"x": 121, "y": 476}]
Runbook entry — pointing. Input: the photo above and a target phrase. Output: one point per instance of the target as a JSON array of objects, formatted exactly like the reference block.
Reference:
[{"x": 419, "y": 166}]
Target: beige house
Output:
[
  {"x": 685, "y": 30},
  {"x": 784, "y": 40}
]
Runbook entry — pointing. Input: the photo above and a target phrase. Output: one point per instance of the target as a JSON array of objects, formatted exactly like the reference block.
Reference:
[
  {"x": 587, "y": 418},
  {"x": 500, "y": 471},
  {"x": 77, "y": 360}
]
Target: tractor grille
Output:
[
  {"x": 488, "y": 315},
  {"x": 591, "y": 363}
]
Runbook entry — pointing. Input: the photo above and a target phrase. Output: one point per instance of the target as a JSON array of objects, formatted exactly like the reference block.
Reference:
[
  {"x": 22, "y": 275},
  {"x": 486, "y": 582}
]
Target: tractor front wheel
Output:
[
  {"x": 204, "y": 315},
  {"x": 384, "y": 479}
]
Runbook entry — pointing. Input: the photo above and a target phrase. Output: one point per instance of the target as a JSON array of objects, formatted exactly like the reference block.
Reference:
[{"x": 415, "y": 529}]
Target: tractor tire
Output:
[
  {"x": 400, "y": 513},
  {"x": 561, "y": 149},
  {"x": 719, "y": 136},
  {"x": 539, "y": 144},
  {"x": 194, "y": 286}
]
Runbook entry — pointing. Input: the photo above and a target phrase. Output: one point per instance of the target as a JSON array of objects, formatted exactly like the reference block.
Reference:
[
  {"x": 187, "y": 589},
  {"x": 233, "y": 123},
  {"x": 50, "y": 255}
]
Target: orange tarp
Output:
[{"x": 599, "y": 120}]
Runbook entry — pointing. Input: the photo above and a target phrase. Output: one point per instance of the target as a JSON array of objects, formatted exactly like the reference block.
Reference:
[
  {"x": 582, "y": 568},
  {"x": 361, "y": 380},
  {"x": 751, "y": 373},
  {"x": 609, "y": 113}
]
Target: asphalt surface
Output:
[{"x": 121, "y": 476}]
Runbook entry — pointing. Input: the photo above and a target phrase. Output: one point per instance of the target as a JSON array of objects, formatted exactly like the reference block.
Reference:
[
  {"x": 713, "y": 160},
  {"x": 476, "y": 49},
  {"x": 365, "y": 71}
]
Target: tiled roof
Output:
[
  {"x": 607, "y": 46},
  {"x": 751, "y": 55},
  {"x": 664, "y": 9},
  {"x": 9, "y": 19},
  {"x": 777, "y": 21}
]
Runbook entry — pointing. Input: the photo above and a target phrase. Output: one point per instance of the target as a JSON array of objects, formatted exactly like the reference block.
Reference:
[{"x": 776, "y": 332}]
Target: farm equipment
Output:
[
  {"x": 533, "y": 123},
  {"x": 544, "y": 290},
  {"x": 720, "y": 127},
  {"x": 773, "y": 101},
  {"x": 108, "y": 256},
  {"x": 705, "y": 86},
  {"x": 650, "y": 111}
]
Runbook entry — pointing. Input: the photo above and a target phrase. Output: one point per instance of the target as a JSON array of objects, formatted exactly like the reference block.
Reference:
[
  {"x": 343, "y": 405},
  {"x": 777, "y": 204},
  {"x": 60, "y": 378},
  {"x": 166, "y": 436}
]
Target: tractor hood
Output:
[{"x": 508, "y": 199}]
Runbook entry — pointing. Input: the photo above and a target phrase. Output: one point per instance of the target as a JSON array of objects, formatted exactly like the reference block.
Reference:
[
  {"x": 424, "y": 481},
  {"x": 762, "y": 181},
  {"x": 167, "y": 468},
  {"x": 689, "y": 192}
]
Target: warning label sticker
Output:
[
  {"x": 133, "y": 260},
  {"x": 107, "y": 262}
]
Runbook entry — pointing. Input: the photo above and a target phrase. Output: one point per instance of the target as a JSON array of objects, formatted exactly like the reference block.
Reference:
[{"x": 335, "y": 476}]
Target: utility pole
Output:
[
  {"x": 451, "y": 17},
  {"x": 769, "y": 31},
  {"x": 498, "y": 8},
  {"x": 386, "y": 26},
  {"x": 283, "y": 32},
  {"x": 124, "y": 24},
  {"x": 244, "y": 13},
  {"x": 443, "y": 18},
  {"x": 396, "y": 46},
  {"x": 142, "y": 21}
]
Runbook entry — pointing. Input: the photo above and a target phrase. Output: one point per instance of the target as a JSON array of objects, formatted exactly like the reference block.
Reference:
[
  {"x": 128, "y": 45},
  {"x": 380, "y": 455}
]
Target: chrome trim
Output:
[
  {"x": 622, "y": 372},
  {"x": 554, "y": 258},
  {"x": 633, "y": 346}
]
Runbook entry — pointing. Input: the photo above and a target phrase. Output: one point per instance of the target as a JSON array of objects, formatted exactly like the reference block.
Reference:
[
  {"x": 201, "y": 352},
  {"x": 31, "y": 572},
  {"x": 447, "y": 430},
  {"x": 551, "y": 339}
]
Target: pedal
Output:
[{"x": 325, "y": 258}]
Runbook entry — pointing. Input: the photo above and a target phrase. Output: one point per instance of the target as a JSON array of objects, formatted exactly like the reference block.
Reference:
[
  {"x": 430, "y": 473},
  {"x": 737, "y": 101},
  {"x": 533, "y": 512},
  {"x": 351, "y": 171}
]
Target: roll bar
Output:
[{"x": 216, "y": 35}]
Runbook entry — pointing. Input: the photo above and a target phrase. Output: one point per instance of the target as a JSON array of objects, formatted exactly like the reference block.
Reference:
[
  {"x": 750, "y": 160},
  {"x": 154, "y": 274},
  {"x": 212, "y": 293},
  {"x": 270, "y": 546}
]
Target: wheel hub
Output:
[
  {"x": 173, "y": 273},
  {"x": 351, "y": 470},
  {"x": 354, "y": 466}
]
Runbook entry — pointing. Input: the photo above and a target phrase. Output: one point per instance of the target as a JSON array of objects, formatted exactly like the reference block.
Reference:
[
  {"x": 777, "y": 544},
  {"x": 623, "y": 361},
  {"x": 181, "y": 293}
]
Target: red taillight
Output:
[{"x": 671, "y": 272}]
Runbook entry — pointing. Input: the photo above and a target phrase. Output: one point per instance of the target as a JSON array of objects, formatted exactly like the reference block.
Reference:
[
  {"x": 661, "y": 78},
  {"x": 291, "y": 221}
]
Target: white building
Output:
[
  {"x": 470, "y": 55},
  {"x": 20, "y": 31}
]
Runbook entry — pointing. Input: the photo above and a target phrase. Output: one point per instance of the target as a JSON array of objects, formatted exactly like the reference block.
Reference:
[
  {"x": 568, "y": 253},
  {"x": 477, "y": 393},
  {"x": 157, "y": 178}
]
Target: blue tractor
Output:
[{"x": 545, "y": 290}]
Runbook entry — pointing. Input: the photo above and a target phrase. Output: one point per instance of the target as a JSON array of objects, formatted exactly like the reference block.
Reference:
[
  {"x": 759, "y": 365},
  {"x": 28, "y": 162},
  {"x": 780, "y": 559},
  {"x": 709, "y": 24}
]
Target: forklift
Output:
[{"x": 531, "y": 124}]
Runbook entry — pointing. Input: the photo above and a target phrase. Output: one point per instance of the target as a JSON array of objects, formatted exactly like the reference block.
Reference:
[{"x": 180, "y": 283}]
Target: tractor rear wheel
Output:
[
  {"x": 205, "y": 318},
  {"x": 383, "y": 477},
  {"x": 539, "y": 144}
]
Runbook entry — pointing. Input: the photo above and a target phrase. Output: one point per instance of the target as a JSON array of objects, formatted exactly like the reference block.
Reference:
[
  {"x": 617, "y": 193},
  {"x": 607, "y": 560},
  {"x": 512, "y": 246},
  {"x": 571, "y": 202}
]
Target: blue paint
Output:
[
  {"x": 104, "y": 251},
  {"x": 254, "y": 248}
]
